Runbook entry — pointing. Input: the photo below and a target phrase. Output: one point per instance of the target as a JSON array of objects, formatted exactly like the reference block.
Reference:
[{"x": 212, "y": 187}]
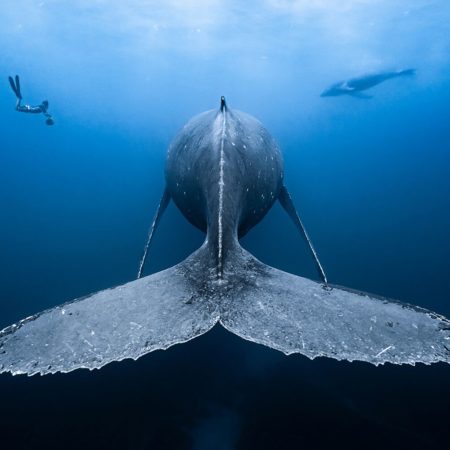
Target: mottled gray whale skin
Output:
[
  {"x": 224, "y": 172},
  {"x": 355, "y": 86}
]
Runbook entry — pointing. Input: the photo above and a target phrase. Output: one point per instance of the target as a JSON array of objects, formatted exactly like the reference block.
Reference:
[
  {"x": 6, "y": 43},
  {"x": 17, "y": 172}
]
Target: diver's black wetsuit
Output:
[{"x": 42, "y": 108}]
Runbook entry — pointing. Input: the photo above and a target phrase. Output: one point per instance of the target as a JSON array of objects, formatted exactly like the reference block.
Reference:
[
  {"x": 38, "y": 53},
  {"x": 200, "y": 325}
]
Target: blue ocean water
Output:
[{"x": 370, "y": 179}]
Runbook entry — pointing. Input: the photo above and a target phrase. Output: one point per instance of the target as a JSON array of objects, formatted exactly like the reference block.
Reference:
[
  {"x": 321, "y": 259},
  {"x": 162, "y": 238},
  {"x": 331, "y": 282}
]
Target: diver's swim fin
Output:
[
  {"x": 152, "y": 313},
  {"x": 296, "y": 315},
  {"x": 13, "y": 86},
  {"x": 18, "y": 90},
  {"x": 165, "y": 199},
  {"x": 286, "y": 202}
]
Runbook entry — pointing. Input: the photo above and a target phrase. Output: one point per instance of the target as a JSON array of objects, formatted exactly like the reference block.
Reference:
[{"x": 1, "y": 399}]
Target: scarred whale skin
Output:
[{"x": 224, "y": 172}]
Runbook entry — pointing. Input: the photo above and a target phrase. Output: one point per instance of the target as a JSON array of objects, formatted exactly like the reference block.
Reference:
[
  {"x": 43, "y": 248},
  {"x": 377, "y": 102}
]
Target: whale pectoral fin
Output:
[
  {"x": 152, "y": 313},
  {"x": 296, "y": 315},
  {"x": 345, "y": 87},
  {"x": 406, "y": 72},
  {"x": 165, "y": 199},
  {"x": 286, "y": 202}
]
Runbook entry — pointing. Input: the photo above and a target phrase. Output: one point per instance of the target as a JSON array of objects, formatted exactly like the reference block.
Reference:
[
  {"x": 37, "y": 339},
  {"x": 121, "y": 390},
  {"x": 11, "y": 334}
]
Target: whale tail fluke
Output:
[
  {"x": 254, "y": 301},
  {"x": 296, "y": 315},
  {"x": 128, "y": 321}
]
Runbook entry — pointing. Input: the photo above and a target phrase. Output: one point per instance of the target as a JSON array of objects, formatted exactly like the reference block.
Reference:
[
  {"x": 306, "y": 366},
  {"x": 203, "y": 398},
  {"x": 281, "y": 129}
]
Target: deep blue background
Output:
[{"x": 370, "y": 179}]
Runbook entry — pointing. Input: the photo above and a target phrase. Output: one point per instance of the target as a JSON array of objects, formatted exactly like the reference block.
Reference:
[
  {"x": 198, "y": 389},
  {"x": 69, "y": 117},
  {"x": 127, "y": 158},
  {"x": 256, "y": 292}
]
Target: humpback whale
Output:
[
  {"x": 355, "y": 86},
  {"x": 224, "y": 172}
]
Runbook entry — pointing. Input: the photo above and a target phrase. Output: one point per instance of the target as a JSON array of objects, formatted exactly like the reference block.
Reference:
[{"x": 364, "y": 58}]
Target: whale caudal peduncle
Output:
[
  {"x": 221, "y": 189},
  {"x": 224, "y": 172}
]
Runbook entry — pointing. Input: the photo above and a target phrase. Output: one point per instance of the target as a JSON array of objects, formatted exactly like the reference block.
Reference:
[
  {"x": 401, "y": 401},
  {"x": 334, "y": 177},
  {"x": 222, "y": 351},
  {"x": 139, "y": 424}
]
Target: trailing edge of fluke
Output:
[{"x": 224, "y": 172}]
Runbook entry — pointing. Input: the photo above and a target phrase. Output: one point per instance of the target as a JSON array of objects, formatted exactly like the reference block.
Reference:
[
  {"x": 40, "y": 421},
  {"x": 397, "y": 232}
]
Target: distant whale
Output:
[
  {"x": 224, "y": 172},
  {"x": 354, "y": 86}
]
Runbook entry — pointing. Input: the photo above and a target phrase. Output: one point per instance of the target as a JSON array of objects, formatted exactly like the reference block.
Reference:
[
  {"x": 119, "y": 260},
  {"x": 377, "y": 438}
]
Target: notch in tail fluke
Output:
[{"x": 259, "y": 303}]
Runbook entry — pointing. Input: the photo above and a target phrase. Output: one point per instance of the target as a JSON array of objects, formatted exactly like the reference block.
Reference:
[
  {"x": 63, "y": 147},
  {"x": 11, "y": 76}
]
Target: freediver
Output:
[{"x": 42, "y": 108}]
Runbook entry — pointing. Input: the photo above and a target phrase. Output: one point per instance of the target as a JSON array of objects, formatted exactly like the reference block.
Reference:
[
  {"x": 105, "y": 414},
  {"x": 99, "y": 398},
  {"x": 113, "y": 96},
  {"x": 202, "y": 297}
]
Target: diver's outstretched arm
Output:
[
  {"x": 165, "y": 199},
  {"x": 286, "y": 202}
]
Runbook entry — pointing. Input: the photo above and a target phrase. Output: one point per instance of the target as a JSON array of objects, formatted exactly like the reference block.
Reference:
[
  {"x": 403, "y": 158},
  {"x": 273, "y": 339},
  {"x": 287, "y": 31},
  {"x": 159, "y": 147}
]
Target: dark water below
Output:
[
  {"x": 218, "y": 392},
  {"x": 370, "y": 179},
  {"x": 76, "y": 206}
]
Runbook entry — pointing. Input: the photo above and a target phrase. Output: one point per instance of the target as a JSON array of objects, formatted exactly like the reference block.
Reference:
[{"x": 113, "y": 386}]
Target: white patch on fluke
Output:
[{"x": 383, "y": 351}]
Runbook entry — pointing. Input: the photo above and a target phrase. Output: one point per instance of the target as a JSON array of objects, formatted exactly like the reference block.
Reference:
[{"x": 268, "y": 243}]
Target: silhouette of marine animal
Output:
[
  {"x": 355, "y": 86},
  {"x": 224, "y": 172}
]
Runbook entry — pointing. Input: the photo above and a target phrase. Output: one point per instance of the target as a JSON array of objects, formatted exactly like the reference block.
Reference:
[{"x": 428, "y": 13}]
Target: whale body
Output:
[
  {"x": 224, "y": 172},
  {"x": 355, "y": 86}
]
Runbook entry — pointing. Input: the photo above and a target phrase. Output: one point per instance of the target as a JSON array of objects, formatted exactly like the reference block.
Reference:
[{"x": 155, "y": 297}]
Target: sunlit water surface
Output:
[{"x": 370, "y": 179}]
